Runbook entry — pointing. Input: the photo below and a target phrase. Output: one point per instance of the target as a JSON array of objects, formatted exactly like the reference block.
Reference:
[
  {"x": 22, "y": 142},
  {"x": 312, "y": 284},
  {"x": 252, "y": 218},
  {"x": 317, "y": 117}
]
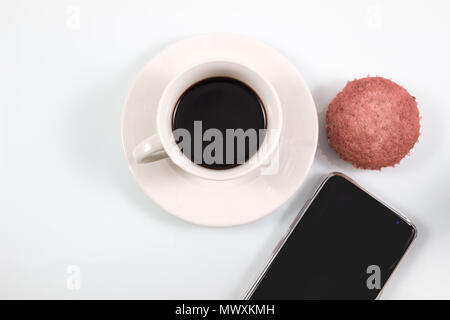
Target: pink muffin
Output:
[{"x": 373, "y": 123}]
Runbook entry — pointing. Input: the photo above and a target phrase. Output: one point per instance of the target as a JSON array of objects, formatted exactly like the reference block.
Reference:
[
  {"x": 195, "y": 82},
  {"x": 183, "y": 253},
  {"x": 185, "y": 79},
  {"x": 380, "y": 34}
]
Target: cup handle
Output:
[{"x": 149, "y": 150}]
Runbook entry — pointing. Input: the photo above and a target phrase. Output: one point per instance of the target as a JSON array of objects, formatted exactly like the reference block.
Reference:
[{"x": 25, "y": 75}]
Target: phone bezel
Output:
[{"x": 297, "y": 219}]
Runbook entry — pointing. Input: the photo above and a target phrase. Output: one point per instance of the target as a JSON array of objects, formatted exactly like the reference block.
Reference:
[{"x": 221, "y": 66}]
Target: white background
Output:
[{"x": 68, "y": 199}]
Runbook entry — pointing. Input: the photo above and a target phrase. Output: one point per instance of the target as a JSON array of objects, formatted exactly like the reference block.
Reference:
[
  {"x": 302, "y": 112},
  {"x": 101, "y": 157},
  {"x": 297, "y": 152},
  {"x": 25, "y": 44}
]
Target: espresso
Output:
[{"x": 230, "y": 108}]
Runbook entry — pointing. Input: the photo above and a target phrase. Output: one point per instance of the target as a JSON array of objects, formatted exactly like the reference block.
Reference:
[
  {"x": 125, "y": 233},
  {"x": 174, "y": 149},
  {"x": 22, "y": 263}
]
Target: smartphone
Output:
[{"x": 344, "y": 244}]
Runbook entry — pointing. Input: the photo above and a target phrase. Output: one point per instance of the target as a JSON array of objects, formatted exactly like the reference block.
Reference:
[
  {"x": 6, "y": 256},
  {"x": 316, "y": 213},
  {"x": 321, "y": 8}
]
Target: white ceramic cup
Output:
[{"x": 163, "y": 143}]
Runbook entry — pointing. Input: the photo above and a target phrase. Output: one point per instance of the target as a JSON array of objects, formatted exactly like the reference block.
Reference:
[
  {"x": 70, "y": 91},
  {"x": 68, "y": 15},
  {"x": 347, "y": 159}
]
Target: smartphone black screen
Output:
[{"x": 337, "y": 246}]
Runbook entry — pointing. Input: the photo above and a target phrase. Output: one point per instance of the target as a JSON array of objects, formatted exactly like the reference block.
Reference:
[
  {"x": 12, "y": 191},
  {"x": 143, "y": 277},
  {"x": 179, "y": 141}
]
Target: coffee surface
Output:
[{"x": 220, "y": 103}]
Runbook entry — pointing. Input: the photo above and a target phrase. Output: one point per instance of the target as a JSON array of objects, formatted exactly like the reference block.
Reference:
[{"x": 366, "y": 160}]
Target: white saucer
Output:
[{"x": 222, "y": 203}]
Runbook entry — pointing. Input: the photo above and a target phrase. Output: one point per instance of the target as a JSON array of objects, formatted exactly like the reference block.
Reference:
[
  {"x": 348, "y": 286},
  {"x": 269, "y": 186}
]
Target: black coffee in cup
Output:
[{"x": 225, "y": 120}]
